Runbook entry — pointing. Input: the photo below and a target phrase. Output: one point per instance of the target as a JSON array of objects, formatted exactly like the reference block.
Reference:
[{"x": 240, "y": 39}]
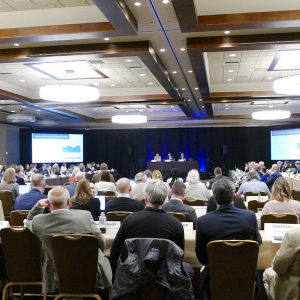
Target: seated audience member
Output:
[
  {"x": 218, "y": 175},
  {"x": 280, "y": 165},
  {"x": 157, "y": 157},
  {"x": 297, "y": 167},
  {"x": 176, "y": 205},
  {"x": 63, "y": 169},
  {"x": 194, "y": 188},
  {"x": 88, "y": 168},
  {"x": 62, "y": 220},
  {"x": 261, "y": 164},
  {"x": 265, "y": 174},
  {"x": 258, "y": 170},
  {"x": 282, "y": 280},
  {"x": 152, "y": 222},
  {"x": 81, "y": 167},
  {"x": 156, "y": 175},
  {"x": 286, "y": 166},
  {"x": 97, "y": 176},
  {"x": 72, "y": 186},
  {"x": 32, "y": 171},
  {"x": 85, "y": 200},
  {"x": 174, "y": 177},
  {"x": 253, "y": 185},
  {"x": 72, "y": 177},
  {"x": 274, "y": 174},
  {"x": 9, "y": 182},
  {"x": 282, "y": 200},
  {"x": 225, "y": 223},
  {"x": 212, "y": 205},
  {"x": 148, "y": 173},
  {"x": 138, "y": 191},
  {"x": 19, "y": 178},
  {"x": 123, "y": 202},
  {"x": 105, "y": 184},
  {"x": 28, "y": 200},
  {"x": 43, "y": 170}
]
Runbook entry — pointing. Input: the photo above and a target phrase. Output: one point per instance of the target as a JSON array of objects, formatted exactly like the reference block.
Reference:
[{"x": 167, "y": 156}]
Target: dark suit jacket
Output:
[
  {"x": 71, "y": 188},
  {"x": 271, "y": 179},
  {"x": 225, "y": 223},
  {"x": 28, "y": 200},
  {"x": 123, "y": 204},
  {"x": 177, "y": 206},
  {"x": 212, "y": 204},
  {"x": 212, "y": 181}
]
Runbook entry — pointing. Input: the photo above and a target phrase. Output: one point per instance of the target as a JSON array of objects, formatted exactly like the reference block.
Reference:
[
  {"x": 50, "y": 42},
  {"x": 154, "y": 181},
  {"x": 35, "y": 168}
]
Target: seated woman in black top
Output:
[{"x": 84, "y": 199}]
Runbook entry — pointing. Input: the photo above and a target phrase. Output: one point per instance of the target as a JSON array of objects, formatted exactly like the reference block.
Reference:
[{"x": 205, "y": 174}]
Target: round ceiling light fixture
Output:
[
  {"x": 271, "y": 115},
  {"x": 129, "y": 119},
  {"x": 289, "y": 85},
  {"x": 74, "y": 93}
]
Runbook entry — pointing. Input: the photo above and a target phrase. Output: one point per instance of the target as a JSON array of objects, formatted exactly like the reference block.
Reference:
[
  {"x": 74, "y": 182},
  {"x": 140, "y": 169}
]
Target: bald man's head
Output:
[
  {"x": 79, "y": 176},
  {"x": 274, "y": 168},
  {"x": 123, "y": 185},
  {"x": 58, "y": 198}
]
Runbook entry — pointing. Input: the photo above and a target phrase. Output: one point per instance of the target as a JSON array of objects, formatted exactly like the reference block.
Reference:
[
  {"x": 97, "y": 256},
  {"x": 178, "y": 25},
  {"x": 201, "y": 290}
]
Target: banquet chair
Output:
[
  {"x": 254, "y": 194},
  {"x": 17, "y": 217},
  {"x": 2, "y": 218},
  {"x": 194, "y": 202},
  {"x": 117, "y": 215},
  {"x": 296, "y": 195},
  {"x": 7, "y": 199},
  {"x": 180, "y": 216},
  {"x": 254, "y": 205},
  {"x": 23, "y": 259},
  {"x": 278, "y": 218},
  {"x": 79, "y": 281},
  {"x": 237, "y": 258}
]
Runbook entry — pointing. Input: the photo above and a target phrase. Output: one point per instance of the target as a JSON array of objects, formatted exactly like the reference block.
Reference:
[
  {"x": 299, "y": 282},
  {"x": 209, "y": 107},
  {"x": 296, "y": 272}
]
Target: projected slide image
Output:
[
  {"x": 285, "y": 144},
  {"x": 49, "y": 147}
]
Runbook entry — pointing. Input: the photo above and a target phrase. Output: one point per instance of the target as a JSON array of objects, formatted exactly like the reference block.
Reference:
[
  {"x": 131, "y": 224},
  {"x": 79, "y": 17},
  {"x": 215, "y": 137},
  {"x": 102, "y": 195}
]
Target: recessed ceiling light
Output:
[
  {"x": 106, "y": 39},
  {"x": 196, "y": 88},
  {"x": 226, "y": 107},
  {"x": 150, "y": 83},
  {"x": 151, "y": 110},
  {"x": 229, "y": 79},
  {"x": 12, "y": 111},
  {"x": 16, "y": 44},
  {"x": 0, "y": 106},
  {"x": 174, "y": 72},
  {"x": 232, "y": 55},
  {"x": 141, "y": 110},
  {"x": 182, "y": 49},
  {"x": 38, "y": 110},
  {"x": 137, "y": 3},
  {"x": 22, "y": 80},
  {"x": 166, "y": 1},
  {"x": 227, "y": 32},
  {"x": 270, "y": 78},
  {"x": 172, "y": 106},
  {"x": 95, "y": 108},
  {"x": 126, "y": 110},
  {"x": 112, "y": 84},
  {"x": 271, "y": 106},
  {"x": 96, "y": 83},
  {"x": 142, "y": 74},
  {"x": 230, "y": 71},
  {"x": 203, "y": 106},
  {"x": 200, "y": 99},
  {"x": 129, "y": 60},
  {"x": 183, "y": 89},
  {"x": 189, "y": 100},
  {"x": 162, "y": 50},
  {"x": 23, "y": 106},
  {"x": 175, "y": 109},
  {"x": 190, "y": 71}
]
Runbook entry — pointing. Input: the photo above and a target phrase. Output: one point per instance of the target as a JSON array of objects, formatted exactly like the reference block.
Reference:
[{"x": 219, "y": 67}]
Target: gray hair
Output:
[
  {"x": 140, "y": 177},
  {"x": 252, "y": 175},
  {"x": 156, "y": 192},
  {"x": 58, "y": 196},
  {"x": 38, "y": 180},
  {"x": 79, "y": 176},
  {"x": 223, "y": 191},
  {"x": 193, "y": 176}
]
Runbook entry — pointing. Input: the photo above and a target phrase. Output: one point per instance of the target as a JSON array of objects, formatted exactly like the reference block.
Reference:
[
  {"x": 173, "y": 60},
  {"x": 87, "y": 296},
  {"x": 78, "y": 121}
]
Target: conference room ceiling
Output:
[{"x": 170, "y": 61}]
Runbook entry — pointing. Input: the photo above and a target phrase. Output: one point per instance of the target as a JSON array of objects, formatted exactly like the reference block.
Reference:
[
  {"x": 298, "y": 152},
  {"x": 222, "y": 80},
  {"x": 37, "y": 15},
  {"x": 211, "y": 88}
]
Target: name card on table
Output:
[
  {"x": 262, "y": 198},
  {"x": 187, "y": 226},
  {"x": 276, "y": 231},
  {"x": 200, "y": 210},
  {"x": 112, "y": 225},
  {"x": 4, "y": 224}
]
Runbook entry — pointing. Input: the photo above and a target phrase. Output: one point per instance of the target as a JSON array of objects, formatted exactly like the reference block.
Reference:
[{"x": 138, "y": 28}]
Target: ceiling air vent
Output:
[{"x": 20, "y": 118}]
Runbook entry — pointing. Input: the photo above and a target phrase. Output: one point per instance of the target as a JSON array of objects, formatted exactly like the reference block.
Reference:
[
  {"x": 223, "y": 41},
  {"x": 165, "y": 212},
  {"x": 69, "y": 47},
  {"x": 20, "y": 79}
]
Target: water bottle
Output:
[
  {"x": 259, "y": 197},
  {"x": 102, "y": 222}
]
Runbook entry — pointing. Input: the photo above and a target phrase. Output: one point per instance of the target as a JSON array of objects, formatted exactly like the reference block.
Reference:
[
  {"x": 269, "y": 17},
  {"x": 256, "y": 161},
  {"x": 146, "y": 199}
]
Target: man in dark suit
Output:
[
  {"x": 123, "y": 202},
  {"x": 176, "y": 204},
  {"x": 218, "y": 175},
  {"x": 225, "y": 223},
  {"x": 72, "y": 186},
  {"x": 273, "y": 176}
]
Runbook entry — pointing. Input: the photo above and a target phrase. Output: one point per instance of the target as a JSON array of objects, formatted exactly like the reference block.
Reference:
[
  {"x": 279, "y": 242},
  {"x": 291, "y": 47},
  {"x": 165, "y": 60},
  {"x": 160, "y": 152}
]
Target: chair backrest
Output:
[
  {"x": 254, "y": 205},
  {"x": 278, "y": 218},
  {"x": 17, "y": 217},
  {"x": 47, "y": 189},
  {"x": 296, "y": 194},
  {"x": 232, "y": 268},
  {"x": 254, "y": 194},
  {"x": 77, "y": 273},
  {"x": 180, "y": 216},
  {"x": 194, "y": 202},
  {"x": 7, "y": 198},
  {"x": 23, "y": 254},
  {"x": 117, "y": 215},
  {"x": 107, "y": 193},
  {"x": 2, "y": 218}
]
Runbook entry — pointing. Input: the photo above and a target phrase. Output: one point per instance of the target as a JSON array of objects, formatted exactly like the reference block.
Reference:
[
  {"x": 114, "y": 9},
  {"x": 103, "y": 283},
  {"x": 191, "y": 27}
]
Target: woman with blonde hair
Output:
[
  {"x": 85, "y": 200},
  {"x": 281, "y": 199},
  {"x": 9, "y": 182}
]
